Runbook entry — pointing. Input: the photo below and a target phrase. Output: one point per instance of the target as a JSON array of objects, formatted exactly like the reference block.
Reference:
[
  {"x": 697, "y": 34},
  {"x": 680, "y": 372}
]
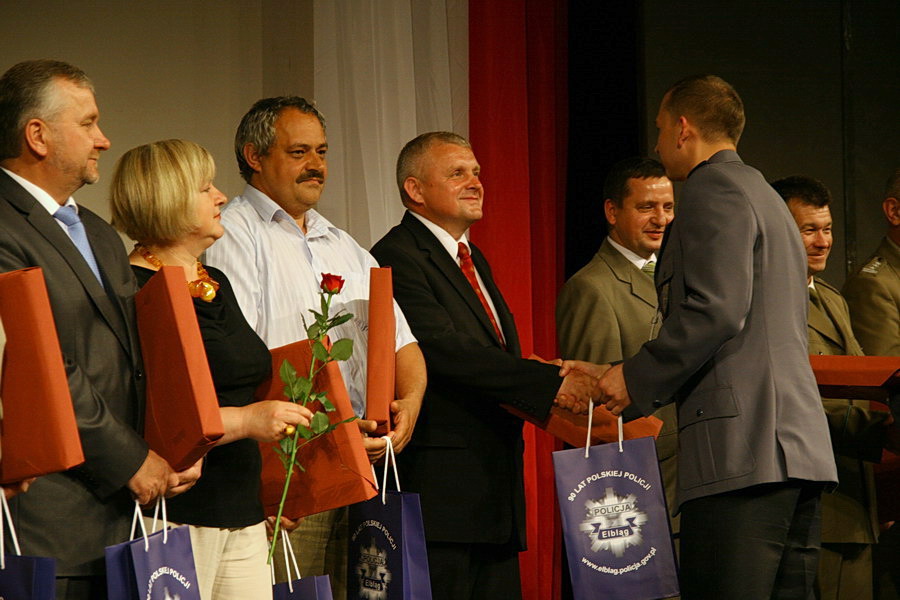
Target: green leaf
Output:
[
  {"x": 339, "y": 320},
  {"x": 342, "y": 349},
  {"x": 300, "y": 389},
  {"x": 305, "y": 432},
  {"x": 319, "y": 423},
  {"x": 287, "y": 372},
  {"x": 324, "y": 302},
  {"x": 326, "y": 403},
  {"x": 313, "y": 331},
  {"x": 319, "y": 351}
]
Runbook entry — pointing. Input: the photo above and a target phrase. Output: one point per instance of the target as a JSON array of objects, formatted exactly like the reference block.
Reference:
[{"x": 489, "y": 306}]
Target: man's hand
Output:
[
  {"x": 613, "y": 391},
  {"x": 576, "y": 391},
  {"x": 182, "y": 481},
  {"x": 375, "y": 447},
  {"x": 152, "y": 479},
  {"x": 287, "y": 525},
  {"x": 19, "y": 487},
  {"x": 405, "y": 412},
  {"x": 588, "y": 368}
]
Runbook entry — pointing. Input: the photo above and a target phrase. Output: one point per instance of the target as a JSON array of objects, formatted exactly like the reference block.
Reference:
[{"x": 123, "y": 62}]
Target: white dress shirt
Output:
[
  {"x": 452, "y": 247},
  {"x": 276, "y": 271},
  {"x": 632, "y": 257}
]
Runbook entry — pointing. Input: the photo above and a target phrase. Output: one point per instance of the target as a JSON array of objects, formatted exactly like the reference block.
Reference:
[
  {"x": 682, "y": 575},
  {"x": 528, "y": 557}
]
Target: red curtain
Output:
[{"x": 518, "y": 129}]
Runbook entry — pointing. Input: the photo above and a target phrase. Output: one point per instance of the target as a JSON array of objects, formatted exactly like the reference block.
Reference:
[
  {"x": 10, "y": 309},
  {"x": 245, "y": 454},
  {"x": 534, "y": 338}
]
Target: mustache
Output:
[{"x": 311, "y": 174}]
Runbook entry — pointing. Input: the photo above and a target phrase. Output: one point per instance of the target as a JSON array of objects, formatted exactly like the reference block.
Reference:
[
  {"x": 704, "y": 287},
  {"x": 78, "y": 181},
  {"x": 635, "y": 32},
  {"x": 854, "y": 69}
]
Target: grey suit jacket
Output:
[
  {"x": 72, "y": 516},
  {"x": 732, "y": 349}
]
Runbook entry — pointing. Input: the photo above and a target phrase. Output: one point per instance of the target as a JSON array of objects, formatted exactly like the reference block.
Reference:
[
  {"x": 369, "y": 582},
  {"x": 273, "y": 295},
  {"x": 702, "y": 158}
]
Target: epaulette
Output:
[{"x": 873, "y": 265}]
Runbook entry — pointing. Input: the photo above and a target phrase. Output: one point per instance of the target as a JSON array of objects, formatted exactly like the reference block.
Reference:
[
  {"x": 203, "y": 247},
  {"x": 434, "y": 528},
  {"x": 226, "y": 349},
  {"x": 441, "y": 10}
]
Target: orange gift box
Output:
[
  {"x": 572, "y": 428},
  {"x": 39, "y": 432},
  {"x": 864, "y": 377},
  {"x": 337, "y": 470},
  {"x": 380, "y": 361},
  {"x": 182, "y": 420}
]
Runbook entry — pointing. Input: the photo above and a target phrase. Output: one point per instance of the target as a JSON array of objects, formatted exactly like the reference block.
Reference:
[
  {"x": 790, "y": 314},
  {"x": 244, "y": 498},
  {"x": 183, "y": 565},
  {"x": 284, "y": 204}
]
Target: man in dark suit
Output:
[
  {"x": 50, "y": 142},
  {"x": 465, "y": 457},
  {"x": 754, "y": 449}
]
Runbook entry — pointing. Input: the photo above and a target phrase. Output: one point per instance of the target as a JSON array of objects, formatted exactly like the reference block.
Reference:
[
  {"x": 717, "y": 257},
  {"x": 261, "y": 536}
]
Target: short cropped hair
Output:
[
  {"x": 27, "y": 92},
  {"x": 257, "y": 127},
  {"x": 154, "y": 190},
  {"x": 711, "y": 104},
  {"x": 616, "y": 188},
  {"x": 409, "y": 163},
  {"x": 803, "y": 189},
  {"x": 892, "y": 187}
]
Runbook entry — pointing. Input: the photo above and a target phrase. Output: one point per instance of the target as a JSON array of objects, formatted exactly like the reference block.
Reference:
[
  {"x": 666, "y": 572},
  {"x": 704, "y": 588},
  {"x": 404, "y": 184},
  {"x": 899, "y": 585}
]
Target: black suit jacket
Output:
[
  {"x": 465, "y": 457},
  {"x": 72, "y": 516}
]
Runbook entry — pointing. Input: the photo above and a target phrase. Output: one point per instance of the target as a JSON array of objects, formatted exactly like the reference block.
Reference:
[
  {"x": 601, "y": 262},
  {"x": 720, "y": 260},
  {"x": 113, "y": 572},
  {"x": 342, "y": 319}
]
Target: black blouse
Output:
[{"x": 227, "y": 494}]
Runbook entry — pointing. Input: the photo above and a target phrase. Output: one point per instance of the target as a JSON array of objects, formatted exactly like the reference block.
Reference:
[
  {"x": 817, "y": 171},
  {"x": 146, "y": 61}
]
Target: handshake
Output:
[{"x": 584, "y": 382}]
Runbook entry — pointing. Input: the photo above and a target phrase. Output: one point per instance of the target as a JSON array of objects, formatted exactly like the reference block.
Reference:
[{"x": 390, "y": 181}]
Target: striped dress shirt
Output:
[{"x": 276, "y": 271}]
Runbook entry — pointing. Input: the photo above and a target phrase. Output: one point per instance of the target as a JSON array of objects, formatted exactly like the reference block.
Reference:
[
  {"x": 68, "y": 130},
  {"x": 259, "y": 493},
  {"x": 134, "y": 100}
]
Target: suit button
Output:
[
  {"x": 138, "y": 374},
  {"x": 657, "y": 403},
  {"x": 699, "y": 412}
]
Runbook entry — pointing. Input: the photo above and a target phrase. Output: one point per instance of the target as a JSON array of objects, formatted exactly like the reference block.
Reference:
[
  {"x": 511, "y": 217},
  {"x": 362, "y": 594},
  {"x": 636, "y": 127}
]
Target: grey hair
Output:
[
  {"x": 409, "y": 163},
  {"x": 257, "y": 127},
  {"x": 27, "y": 92}
]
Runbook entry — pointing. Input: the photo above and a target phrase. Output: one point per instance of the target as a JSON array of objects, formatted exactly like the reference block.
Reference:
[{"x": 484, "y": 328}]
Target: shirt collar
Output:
[
  {"x": 446, "y": 240},
  {"x": 633, "y": 258},
  {"x": 43, "y": 198},
  {"x": 269, "y": 210}
]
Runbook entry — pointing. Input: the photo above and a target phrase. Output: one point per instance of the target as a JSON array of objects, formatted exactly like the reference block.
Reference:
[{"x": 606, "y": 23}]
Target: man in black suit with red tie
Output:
[{"x": 465, "y": 456}]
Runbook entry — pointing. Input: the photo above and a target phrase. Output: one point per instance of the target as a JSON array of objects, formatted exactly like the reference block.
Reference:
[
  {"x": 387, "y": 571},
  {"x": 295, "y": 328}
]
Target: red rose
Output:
[{"x": 332, "y": 283}]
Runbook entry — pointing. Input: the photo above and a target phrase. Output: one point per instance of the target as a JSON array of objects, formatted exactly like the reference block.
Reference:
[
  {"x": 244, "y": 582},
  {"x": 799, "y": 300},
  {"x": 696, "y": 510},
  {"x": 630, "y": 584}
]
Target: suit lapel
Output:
[
  {"x": 50, "y": 230},
  {"x": 640, "y": 283},
  {"x": 442, "y": 261}
]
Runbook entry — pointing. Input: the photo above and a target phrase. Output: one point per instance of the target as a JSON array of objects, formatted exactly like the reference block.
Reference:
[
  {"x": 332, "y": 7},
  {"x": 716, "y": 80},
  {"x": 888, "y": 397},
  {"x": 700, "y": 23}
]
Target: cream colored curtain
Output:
[{"x": 385, "y": 71}]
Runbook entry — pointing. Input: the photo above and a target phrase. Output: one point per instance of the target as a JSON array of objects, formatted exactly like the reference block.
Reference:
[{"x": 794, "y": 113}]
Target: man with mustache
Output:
[
  {"x": 275, "y": 249},
  {"x": 849, "y": 519}
]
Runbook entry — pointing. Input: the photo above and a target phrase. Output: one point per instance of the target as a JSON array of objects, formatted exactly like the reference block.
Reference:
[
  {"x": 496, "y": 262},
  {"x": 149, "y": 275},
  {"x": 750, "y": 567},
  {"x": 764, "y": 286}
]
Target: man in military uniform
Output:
[
  {"x": 873, "y": 294},
  {"x": 849, "y": 515},
  {"x": 607, "y": 310}
]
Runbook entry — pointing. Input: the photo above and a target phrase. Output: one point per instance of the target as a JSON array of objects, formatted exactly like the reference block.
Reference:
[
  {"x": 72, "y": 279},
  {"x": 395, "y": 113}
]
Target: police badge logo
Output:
[
  {"x": 613, "y": 522},
  {"x": 373, "y": 573}
]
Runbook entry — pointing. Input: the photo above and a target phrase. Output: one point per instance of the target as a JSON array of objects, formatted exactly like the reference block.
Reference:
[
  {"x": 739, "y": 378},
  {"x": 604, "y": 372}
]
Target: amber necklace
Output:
[{"x": 204, "y": 287}]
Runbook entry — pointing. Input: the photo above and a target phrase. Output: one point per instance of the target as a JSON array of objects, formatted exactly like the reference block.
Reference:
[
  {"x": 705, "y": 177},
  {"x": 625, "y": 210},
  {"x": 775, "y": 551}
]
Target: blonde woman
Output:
[{"x": 163, "y": 197}]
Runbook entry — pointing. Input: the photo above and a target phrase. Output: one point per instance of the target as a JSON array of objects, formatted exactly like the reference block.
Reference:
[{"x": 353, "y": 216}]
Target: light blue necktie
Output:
[{"x": 69, "y": 216}]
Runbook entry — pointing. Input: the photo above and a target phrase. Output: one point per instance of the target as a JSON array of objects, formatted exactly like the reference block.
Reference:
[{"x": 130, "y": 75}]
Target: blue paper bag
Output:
[
  {"x": 159, "y": 566},
  {"x": 26, "y": 577},
  {"x": 316, "y": 587},
  {"x": 307, "y": 588},
  {"x": 615, "y": 522},
  {"x": 387, "y": 558}
]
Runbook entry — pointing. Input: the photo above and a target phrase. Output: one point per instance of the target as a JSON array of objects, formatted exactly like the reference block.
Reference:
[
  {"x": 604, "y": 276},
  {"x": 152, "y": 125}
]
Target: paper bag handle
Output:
[
  {"x": 288, "y": 551},
  {"x": 590, "y": 423},
  {"x": 389, "y": 457},
  {"x": 12, "y": 531}
]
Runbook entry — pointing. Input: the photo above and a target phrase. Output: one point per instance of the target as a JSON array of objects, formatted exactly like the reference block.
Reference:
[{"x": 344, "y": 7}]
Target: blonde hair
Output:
[{"x": 154, "y": 190}]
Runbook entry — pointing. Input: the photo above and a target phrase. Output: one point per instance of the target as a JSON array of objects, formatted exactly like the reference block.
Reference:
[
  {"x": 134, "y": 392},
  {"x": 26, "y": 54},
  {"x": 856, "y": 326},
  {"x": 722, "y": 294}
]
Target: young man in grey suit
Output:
[
  {"x": 50, "y": 143},
  {"x": 754, "y": 449}
]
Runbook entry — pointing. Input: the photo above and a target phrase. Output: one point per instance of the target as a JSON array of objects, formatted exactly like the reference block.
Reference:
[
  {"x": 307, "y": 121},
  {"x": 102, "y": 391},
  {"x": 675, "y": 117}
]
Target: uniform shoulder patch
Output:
[{"x": 873, "y": 266}]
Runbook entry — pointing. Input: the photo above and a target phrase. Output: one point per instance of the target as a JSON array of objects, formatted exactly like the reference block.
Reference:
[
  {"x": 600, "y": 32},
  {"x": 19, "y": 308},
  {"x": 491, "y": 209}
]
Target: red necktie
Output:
[{"x": 468, "y": 269}]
